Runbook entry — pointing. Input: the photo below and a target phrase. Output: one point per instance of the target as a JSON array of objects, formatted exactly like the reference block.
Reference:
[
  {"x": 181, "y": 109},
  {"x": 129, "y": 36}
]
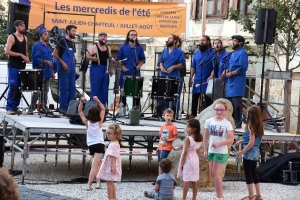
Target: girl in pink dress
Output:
[
  {"x": 188, "y": 168},
  {"x": 111, "y": 168}
]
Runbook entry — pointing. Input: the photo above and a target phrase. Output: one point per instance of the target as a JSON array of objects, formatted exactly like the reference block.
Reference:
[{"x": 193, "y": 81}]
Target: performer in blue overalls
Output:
[
  {"x": 236, "y": 74},
  {"x": 17, "y": 50},
  {"x": 201, "y": 68},
  {"x": 42, "y": 59},
  {"x": 171, "y": 61},
  {"x": 64, "y": 53},
  {"x": 133, "y": 52},
  {"x": 99, "y": 54}
]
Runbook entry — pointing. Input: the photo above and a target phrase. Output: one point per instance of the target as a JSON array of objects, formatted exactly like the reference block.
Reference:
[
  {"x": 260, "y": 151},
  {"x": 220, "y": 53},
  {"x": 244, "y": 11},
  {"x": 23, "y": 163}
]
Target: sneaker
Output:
[
  {"x": 11, "y": 112},
  {"x": 89, "y": 187},
  {"x": 146, "y": 194},
  {"x": 30, "y": 111},
  {"x": 63, "y": 112},
  {"x": 19, "y": 112},
  {"x": 192, "y": 117},
  {"x": 98, "y": 186}
]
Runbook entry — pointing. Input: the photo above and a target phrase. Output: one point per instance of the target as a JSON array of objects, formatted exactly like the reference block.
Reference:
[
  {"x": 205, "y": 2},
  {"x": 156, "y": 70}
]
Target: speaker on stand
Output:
[
  {"x": 17, "y": 11},
  {"x": 265, "y": 34}
]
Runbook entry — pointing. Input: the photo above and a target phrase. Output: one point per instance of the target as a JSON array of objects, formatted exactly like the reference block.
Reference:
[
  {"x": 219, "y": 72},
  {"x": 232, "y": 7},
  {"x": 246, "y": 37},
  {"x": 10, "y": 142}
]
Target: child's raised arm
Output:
[
  {"x": 102, "y": 108},
  {"x": 82, "y": 117}
]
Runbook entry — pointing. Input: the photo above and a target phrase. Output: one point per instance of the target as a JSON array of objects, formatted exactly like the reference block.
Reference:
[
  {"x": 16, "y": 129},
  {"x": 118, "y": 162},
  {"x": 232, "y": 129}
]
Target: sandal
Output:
[
  {"x": 259, "y": 197},
  {"x": 250, "y": 198}
]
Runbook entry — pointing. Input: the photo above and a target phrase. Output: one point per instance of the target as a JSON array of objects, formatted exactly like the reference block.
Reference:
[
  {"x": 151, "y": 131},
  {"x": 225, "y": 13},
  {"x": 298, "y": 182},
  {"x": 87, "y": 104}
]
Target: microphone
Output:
[
  {"x": 226, "y": 46},
  {"x": 52, "y": 40},
  {"x": 241, "y": 43},
  {"x": 198, "y": 85},
  {"x": 28, "y": 31},
  {"x": 104, "y": 41},
  {"x": 134, "y": 40}
]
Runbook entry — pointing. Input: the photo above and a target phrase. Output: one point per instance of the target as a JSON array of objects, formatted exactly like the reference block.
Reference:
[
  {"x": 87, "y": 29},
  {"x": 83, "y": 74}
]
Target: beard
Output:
[
  {"x": 132, "y": 40},
  {"x": 236, "y": 46},
  {"x": 72, "y": 36},
  {"x": 102, "y": 42},
  {"x": 170, "y": 44},
  {"x": 203, "y": 48},
  {"x": 22, "y": 31}
]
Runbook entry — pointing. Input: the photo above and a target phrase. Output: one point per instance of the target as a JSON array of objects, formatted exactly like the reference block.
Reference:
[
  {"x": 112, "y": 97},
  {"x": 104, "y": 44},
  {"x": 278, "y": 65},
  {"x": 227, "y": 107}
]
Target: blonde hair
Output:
[
  {"x": 117, "y": 130},
  {"x": 169, "y": 111},
  {"x": 223, "y": 103}
]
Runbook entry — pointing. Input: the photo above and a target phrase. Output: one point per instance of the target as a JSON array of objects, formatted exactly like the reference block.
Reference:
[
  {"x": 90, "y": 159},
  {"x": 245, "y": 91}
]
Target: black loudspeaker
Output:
[
  {"x": 17, "y": 11},
  {"x": 261, "y": 22},
  {"x": 73, "y": 114}
]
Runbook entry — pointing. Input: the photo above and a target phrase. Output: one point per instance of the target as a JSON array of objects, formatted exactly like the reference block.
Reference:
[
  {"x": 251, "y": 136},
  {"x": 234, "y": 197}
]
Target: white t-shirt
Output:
[
  {"x": 94, "y": 134},
  {"x": 218, "y": 133}
]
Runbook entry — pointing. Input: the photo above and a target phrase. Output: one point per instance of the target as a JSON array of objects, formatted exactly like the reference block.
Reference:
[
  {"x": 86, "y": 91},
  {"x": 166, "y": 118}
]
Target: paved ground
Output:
[{"x": 31, "y": 194}]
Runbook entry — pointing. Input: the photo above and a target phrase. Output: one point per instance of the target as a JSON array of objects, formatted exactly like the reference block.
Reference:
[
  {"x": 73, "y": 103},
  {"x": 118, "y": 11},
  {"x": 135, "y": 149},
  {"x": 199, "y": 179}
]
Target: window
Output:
[
  {"x": 218, "y": 8},
  {"x": 243, "y": 8},
  {"x": 214, "y": 8}
]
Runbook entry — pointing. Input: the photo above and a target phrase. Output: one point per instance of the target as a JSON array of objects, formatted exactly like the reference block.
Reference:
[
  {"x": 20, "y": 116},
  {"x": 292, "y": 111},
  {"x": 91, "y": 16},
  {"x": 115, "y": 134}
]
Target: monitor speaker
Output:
[
  {"x": 17, "y": 11},
  {"x": 265, "y": 26}
]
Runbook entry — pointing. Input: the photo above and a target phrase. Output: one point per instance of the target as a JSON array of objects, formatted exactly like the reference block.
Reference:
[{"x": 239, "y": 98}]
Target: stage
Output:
[{"x": 30, "y": 134}]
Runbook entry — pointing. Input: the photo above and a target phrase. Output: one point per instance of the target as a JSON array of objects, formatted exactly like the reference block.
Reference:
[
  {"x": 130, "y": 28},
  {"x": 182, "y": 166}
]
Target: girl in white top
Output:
[
  {"x": 94, "y": 137},
  {"x": 218, "y": 133}
]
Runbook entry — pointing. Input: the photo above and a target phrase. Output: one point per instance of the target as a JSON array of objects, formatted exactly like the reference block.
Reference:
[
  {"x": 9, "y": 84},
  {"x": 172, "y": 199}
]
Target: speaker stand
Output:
[{"x": 261, "y": 104}]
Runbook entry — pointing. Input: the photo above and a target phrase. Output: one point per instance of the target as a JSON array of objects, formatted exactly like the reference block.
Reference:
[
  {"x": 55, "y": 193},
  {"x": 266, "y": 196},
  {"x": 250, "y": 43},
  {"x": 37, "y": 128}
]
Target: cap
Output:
[
  {"x": 102, "y": 33},
  {"x": 42, "y": 31},
  {"x": 238, "y": 38}
]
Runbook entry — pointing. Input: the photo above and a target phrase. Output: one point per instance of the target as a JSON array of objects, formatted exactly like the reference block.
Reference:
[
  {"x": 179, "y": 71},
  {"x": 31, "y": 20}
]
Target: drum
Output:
[
  {"x": 31, "y": 79},
  {"x": 164, "y": 88},
  {"x": 215, "y": 87},
  {"x": 133, "y": 87}
]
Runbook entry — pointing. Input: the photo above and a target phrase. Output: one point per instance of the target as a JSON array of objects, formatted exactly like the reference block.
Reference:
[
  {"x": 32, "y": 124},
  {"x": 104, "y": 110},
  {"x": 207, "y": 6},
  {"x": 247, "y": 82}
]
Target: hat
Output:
[
  {"x": 238, "y": 38},
  {"x": 102, "y": 33},
  {"x": 42, "y": 31}
]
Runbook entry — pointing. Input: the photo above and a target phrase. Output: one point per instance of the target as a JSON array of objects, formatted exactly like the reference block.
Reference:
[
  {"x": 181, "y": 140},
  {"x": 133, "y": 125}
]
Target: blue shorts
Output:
[
  {"x": 252, "y": 154},
  {"x": 162, "y": 154}
]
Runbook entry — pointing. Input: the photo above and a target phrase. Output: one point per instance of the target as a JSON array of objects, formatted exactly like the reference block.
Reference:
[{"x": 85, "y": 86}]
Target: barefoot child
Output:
[
  {"x": 94, "y": 137},
  {"x": 111, "y": 168},
  {"x": 251, "y": 141},
  {"x": 188, "y": 168},
  {"x": 218, "y": 133}
]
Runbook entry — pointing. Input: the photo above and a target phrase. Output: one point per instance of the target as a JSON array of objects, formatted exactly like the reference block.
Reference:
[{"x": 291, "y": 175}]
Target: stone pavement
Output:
[{"x": 29, "y": 194}]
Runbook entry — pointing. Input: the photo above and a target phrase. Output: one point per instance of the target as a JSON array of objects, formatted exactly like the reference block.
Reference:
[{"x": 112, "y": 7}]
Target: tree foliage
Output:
[
  {"x": 287, "y": 28},
  {"x": 4, "y": 34}
]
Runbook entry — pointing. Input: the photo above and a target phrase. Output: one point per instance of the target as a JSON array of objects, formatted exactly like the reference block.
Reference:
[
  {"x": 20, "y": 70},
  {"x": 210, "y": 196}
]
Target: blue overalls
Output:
[
  {"x": 14, "y": 94},
  {"x": 99, "y": 82},
  {"x": 67, "y": 78}
]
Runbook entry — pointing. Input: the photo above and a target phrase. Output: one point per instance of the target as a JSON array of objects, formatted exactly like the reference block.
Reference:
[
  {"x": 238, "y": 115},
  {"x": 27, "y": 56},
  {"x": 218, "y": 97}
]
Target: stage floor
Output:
[{"x": 30, "y": 134}]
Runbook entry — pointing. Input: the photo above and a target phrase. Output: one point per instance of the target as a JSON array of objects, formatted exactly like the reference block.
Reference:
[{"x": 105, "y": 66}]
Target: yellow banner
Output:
[{"x": 113, "y": 17}]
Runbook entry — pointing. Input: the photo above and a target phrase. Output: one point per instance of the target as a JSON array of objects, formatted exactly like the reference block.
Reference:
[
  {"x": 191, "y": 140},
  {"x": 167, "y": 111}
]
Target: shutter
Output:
[
  {"x": 193, "y": 10},
  {"x": 234, "y": 4},
  {"x": 224, "y": 9}
]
